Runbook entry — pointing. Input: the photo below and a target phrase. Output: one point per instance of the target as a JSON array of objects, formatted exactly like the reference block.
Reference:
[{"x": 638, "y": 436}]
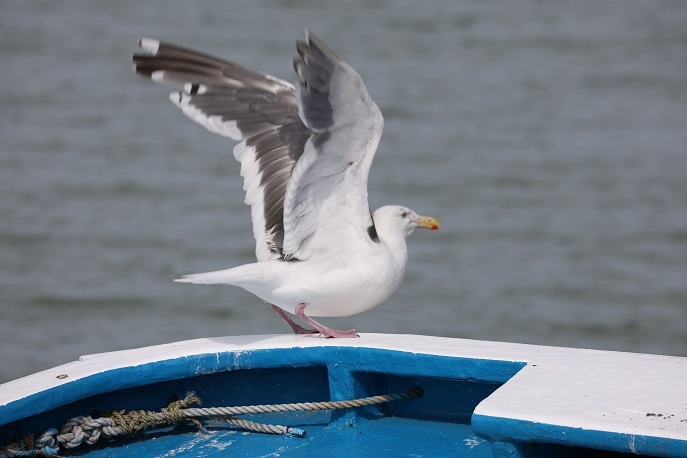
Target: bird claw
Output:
[
  {"x": 297, "y": 328},
  {"x": 322, "y": 329},
  {"x": 333, "y": 333},
  {"x": 319, "y": 328}
]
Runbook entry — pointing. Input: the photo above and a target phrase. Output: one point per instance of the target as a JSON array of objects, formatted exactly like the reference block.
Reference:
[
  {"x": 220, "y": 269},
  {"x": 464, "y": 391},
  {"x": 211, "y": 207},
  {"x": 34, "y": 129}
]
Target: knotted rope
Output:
[{"x": 79, "y": 430}]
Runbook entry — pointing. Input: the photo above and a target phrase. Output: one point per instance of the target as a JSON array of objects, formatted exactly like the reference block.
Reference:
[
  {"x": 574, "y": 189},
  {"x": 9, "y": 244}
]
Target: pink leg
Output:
[
  {"x": 297, "y": 329},
  {"x": 325, "y": 331}
]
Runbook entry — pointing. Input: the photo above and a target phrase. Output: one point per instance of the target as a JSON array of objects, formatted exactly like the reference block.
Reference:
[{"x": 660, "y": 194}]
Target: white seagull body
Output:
[{"x": 305, "y": 156}]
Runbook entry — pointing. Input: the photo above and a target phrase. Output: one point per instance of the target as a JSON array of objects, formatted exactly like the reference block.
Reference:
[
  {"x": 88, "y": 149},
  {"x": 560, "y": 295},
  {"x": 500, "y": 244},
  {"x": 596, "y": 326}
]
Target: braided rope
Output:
[
  {"x": 301, "y": 406},
  {"x": 83, "y": 429}
]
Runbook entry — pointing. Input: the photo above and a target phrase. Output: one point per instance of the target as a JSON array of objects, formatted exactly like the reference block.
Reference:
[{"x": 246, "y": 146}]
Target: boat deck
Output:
[
  {"x": 380, "y": 437},
  {"x": 481, "y": 399}
]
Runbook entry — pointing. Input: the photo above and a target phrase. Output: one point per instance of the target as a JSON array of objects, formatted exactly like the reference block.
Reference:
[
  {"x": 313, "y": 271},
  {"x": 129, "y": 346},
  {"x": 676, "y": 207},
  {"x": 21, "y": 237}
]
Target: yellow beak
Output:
[{"x": 427, "y": 222}]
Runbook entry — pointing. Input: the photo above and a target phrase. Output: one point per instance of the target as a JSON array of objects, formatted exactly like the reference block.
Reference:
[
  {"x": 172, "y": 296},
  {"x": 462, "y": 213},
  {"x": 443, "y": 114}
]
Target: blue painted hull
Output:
[{"x": 442, "y": 422}]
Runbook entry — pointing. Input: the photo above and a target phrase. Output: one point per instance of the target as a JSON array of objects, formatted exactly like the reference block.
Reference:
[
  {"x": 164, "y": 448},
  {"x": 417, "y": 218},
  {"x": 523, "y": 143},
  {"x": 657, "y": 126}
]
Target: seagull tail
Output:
[
  {"x": 218, "y": 277},
  {"x": 238, "y": 276}
]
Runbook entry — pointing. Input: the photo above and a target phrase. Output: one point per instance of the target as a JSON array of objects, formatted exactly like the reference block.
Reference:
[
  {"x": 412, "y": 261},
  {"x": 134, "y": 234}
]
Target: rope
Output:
[
  {"x": 79, "y": 430},
  {"x": 302, "y": 406}
]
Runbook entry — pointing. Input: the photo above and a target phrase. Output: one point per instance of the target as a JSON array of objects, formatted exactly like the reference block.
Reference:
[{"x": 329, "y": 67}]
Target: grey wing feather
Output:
[
  {"x": 315, "y": 65},
  {"x": 257, "y": 109},
  {"x": 326, "y": 199},
  {"x": 305, "y": 152}
]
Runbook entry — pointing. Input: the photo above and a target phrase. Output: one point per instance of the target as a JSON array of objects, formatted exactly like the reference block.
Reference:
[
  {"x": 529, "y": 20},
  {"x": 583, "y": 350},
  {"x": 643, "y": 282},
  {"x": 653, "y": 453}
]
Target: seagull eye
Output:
[{"x": 404, "y": 214}]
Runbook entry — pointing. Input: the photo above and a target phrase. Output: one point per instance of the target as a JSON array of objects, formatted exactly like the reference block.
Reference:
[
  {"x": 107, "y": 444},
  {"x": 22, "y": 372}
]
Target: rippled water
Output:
[{"x": 550, "y": 139}]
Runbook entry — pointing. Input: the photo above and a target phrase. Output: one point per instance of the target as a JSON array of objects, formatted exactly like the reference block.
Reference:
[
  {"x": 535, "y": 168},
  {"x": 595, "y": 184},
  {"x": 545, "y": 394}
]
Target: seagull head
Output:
[{"x": 401, "y": 220}]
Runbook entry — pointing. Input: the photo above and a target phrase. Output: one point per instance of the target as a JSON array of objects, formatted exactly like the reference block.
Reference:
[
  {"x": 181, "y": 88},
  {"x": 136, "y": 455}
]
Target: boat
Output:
[{"x": 379, "y": 395}]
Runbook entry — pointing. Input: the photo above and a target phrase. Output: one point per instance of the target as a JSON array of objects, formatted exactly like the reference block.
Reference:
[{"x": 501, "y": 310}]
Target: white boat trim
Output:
[{"x": 626, "y": 393}]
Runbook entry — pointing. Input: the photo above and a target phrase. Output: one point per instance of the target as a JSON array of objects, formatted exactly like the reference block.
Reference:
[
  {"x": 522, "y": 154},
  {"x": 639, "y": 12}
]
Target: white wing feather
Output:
[
  {"x": 305, "y": 152},
  {"x": 326, "y": 199}
]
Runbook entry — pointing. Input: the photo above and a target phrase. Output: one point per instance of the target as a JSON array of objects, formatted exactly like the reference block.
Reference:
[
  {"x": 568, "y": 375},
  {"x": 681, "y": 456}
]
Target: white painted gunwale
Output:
[{"x": 576, "y": 388}]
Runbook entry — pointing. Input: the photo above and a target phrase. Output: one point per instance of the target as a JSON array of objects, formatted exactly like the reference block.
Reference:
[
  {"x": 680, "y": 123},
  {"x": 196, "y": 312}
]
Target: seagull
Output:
[{"x": 305, "y": 152}]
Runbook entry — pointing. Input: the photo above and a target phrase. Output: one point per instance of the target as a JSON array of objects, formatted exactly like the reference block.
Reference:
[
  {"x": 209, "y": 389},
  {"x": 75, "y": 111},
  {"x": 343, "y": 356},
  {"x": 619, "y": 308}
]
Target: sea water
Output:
[{"x": 549, "y": 138}]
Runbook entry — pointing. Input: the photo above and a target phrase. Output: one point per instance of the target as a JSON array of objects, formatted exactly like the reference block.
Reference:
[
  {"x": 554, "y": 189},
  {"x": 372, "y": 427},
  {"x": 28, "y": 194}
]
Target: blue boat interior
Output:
[{"x": 437, "y": 424}]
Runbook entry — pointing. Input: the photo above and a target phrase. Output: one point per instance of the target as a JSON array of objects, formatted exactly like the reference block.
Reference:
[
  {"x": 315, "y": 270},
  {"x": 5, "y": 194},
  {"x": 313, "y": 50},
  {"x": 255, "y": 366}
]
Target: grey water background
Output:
[{"x": 549, "y": 138}]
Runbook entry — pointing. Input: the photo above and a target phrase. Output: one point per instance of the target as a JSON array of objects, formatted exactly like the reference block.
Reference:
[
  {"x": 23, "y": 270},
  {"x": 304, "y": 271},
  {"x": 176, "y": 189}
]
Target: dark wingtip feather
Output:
[{"x": 315, "y": 42}]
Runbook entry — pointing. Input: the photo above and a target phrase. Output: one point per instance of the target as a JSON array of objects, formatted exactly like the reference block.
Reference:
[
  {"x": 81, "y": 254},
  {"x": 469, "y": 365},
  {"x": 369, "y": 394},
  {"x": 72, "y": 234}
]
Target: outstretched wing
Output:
[
  {"x": 325, "y": 206},
  {"x": 305, "y": 152},
  {"x": 256, "y": 109}
]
